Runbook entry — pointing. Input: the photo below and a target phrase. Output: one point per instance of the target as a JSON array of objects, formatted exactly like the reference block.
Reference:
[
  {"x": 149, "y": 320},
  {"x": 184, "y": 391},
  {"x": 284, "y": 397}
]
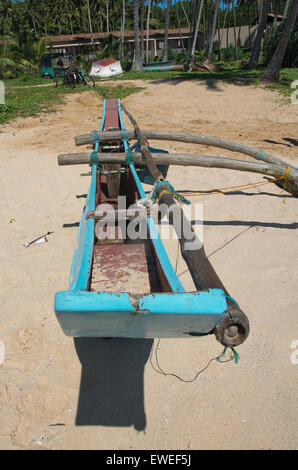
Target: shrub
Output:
[{"x": 271, "y": 41}]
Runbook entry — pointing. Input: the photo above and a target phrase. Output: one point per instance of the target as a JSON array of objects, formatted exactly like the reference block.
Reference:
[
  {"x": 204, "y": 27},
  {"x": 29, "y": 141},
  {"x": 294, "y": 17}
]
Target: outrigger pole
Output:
[{"x": 281, "y": 168}]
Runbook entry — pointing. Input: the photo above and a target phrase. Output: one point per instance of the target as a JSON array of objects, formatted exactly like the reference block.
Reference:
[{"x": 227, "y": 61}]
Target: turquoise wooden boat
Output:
[
  {"x": 120, "y": 287},
  {"x": 162, "y": 66}
]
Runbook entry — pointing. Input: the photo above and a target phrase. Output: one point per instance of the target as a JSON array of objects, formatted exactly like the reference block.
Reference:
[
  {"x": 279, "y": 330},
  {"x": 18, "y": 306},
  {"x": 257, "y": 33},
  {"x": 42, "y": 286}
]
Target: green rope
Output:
[
  {"x": 173, "y": 192},
  {"x": 124, "y": 135},
  {"x": 158, "y": 369},
  {"x": 95, "y": 138},
  {"x": 130, "y": 160},
  {"x": 94, "y": 159},
  {"x": 235, "y": 356}
]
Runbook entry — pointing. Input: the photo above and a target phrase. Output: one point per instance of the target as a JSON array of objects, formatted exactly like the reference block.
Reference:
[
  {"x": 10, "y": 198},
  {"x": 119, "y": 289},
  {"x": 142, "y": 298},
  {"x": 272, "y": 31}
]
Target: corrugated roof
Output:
[{"x": 72, "y": 37}]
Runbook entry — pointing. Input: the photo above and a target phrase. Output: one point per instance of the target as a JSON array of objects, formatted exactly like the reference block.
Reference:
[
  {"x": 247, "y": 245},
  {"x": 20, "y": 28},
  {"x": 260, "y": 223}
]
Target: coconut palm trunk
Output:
[
  {"x": 185, "y": 14},
  {"x": 107, "y": 8},
  {"x": 211, "y": 38},
  {"x": 142, "y": 28},
  {"x": 286, "y": 10},
  {"x": 254, "y": 58},
  {"x": 123, "y": 28},
  {"x": 276, "y": 14},
  {"x": 167, "y": 23},
  {"x": 271, "y": 73},
  {"x": 235, "y": 36},
  {"x": 137, "y": 60},
  {"x": 195, "y": 36},
  {"x": 147, "y": 29}
]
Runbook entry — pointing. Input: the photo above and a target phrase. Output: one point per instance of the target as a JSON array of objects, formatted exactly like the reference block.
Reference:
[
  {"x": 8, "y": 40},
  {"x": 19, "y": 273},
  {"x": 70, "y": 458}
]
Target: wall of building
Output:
[{"x": 245, "y": 36}]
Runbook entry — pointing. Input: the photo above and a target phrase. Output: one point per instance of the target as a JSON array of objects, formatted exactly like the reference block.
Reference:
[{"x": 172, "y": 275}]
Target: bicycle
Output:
[{"x": 72, "y": 77}]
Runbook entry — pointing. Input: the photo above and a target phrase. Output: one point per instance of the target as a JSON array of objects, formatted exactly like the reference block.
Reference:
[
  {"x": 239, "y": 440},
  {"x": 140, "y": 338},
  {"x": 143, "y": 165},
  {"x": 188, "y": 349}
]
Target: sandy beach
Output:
[{"x": 58, "y": 392}]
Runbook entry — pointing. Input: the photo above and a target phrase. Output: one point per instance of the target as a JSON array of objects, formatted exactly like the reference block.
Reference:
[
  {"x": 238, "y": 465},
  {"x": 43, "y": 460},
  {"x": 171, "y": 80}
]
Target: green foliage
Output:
[
  {"x": 171, "y": 55},
  {"x": 181, "y": 58},
  {"x": 117, "y": 91},
  {"x": 271, "y": 41},
  {"x": 126, "y": 63},
  {"x": 228, "y": 54},
  {"x": 84, "y": 64},
  {"x": 109, "y": 47},
  {"x": 24, "y": 101}
]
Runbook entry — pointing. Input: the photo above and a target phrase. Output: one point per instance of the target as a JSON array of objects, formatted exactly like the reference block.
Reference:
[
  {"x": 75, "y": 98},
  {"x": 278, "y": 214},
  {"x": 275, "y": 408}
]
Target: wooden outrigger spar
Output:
[{"x": 122, "y": 286}]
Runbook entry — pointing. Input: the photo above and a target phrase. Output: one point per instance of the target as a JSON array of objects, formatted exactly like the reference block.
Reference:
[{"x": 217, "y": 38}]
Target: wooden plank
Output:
[
  {"x": 112, "y": 122},
  {"x": 125, "y": 268}
]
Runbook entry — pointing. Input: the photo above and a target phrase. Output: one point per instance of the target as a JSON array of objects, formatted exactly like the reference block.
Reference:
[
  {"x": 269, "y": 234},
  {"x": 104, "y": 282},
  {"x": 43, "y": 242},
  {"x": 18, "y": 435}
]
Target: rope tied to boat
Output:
[
  {"x": 234, "y": 356},
  {"x": 170, "y": 191},
  {"x": 130, "y": 159},
  {"x": 94, "y": 158},
  {"x": 95, "y": 138},
  {"x": 234, "y": 189}
]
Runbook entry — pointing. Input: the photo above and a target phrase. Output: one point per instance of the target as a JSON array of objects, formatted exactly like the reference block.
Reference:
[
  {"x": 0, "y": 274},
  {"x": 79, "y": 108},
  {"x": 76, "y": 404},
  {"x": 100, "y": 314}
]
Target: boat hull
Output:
[
  {"x": 106, "y": 314},
  {"x": 96, "y": 305}
]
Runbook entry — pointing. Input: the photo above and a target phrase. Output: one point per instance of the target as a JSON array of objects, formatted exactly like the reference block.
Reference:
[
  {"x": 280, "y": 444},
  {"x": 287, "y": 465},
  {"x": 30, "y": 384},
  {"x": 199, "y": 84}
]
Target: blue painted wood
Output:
[
  {"x": 82, "y": 261},
  {"x": 103, "y": 314},
  {"x": 83, "y": 313}
]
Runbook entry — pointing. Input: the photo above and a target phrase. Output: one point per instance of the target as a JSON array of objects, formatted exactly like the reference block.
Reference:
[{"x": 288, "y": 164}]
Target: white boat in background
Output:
[{"x": 105, "y": 68}]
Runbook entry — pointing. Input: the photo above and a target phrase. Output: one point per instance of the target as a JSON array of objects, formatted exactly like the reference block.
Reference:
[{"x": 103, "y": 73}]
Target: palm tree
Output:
[
  {"x": 7, "y": 64},
  {"x": 235, "y": 38},
  {"x": 271, "y": 73},
  {"x": 137, "y": 60},
  {"x": 123, "y": 28},
  {"x": 195, "y": 36},
  {"x": 142, "y": 27},
  {"x": 90, "y": 22},
  {"x": 167, "y": 23},
  {"x": 254, "y": 58},
  {"x": 147, "y": 29},
  {"x": 185, "y": 14},
  {"x": 277, "y": 5},
  {"x": 286, "y": 10},
  {"x": 6, "y": 13},
  {"x": 215, "y": 15}
]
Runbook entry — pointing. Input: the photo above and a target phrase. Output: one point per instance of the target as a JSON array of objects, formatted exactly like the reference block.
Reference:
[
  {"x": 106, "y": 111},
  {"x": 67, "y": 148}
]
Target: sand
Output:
[{"x": 60, "y": 393}]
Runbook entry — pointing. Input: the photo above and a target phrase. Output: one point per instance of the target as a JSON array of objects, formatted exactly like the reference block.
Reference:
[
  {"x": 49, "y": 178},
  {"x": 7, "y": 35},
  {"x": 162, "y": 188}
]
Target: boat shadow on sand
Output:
[{"x": 112, "y": 382}]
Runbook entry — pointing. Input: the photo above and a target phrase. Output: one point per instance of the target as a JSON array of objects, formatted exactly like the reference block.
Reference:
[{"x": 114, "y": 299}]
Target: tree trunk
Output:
[
  {"x": 147, "y": 30},
  {"x": 179, "y": 27},
  {"x": 123, "y": 28},
  {"x": 195, "y": 36},
  {"x": 137, "y": 60},
  {"x": 235, "y": 36},
  {"x": 224, "y": 23},
  {"x": 271, "y": 73},
  {"x": 260, "y": 9},
  {"x": 254, "y": 58},
  {"x": 210, "y": 47},
  {"x": 108, "y": 28},
  {"x": 71, "y": 24},
  {"x": 142, "y": 28},
  {"x": 167, "y": 23},
  {"x": 181, "y": 1},
  {"x": 286, "y": 10},
  {"x": 34, "y": 26},
  {"x": 219, "y": 37},
  {"x": 276, "y": 14}
]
